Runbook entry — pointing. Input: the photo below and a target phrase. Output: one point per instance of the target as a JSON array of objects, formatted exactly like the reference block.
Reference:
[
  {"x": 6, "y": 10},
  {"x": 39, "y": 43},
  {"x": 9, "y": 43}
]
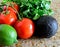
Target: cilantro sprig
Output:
[{"x": 33, "y": 9}]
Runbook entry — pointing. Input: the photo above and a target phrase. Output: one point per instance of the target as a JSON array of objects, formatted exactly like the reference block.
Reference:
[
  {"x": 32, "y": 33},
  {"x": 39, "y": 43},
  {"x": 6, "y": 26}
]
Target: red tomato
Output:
[
  {"x": 1, "y": 18},
  {"x": 12, "y": 9},
  {"x": 24, "y": 28},
  {"x": 15, "y": 6},
  {"x": 9, "y": 18}
]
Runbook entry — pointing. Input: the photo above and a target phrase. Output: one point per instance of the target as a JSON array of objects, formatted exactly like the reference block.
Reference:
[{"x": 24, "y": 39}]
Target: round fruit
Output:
[
  {"x": 46, "y": 26},
  {"x": 8, "y": 18},
  {"x": 8, "y": 35},
  {"x": 25, "y": 28}
]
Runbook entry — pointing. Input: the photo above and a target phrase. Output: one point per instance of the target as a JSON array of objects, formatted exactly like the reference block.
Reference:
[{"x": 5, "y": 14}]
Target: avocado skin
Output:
[{"x": 46, "y": 27}]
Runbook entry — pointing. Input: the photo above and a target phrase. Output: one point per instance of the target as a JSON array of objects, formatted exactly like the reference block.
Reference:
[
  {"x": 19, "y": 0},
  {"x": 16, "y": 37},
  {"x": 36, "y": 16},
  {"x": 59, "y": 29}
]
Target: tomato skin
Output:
[
  {"x": 24, "y": 28},
  {"x": 1, "y": 18},
  {"x": 11, "y": 17},
  {"x": 8, "y": 18},
  {"x": 11, "y": 9},
  {"x": 16, "y": 8}
]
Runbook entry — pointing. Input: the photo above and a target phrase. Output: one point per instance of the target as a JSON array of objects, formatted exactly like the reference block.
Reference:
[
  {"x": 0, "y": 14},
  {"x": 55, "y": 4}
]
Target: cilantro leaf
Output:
[{"x": 33, "y": 9}]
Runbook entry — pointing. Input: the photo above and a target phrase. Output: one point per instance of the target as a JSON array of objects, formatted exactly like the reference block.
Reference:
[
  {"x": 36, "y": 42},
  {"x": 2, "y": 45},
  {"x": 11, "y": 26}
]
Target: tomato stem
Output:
[
  {"x": 10, "y": 4},
  {"x": 19, "y": 17}
]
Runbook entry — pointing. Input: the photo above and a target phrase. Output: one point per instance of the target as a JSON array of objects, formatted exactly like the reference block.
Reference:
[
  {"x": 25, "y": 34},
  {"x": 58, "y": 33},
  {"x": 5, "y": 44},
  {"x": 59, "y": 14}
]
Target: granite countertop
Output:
[{"x": 51, "y": 42}]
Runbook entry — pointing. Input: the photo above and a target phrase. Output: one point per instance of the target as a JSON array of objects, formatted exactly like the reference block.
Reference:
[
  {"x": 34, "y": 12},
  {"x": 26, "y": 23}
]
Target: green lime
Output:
[{"x": 8, "y": 35}]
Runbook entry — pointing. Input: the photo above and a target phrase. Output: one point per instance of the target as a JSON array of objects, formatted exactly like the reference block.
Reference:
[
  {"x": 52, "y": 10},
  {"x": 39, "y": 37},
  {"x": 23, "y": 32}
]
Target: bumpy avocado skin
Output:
[{"x": 46, "y": 27}]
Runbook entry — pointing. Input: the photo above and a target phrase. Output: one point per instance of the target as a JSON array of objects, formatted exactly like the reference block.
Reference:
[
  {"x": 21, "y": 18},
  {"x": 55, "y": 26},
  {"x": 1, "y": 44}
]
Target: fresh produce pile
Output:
[{"x": 23, "y": 18}]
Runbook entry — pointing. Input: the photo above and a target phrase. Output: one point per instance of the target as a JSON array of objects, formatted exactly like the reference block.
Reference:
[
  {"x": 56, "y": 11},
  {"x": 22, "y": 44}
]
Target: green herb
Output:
[
  {"x": 33, "y": 9},
  {"x": 1, "y": 9}
]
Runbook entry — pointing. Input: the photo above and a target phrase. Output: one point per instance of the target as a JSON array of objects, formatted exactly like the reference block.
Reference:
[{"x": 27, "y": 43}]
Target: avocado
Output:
[{"x": 46, "y": 26}]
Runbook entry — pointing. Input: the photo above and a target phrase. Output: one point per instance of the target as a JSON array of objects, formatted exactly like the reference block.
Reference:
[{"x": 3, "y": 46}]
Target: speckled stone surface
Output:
[{"x": 51, "y": 42}]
